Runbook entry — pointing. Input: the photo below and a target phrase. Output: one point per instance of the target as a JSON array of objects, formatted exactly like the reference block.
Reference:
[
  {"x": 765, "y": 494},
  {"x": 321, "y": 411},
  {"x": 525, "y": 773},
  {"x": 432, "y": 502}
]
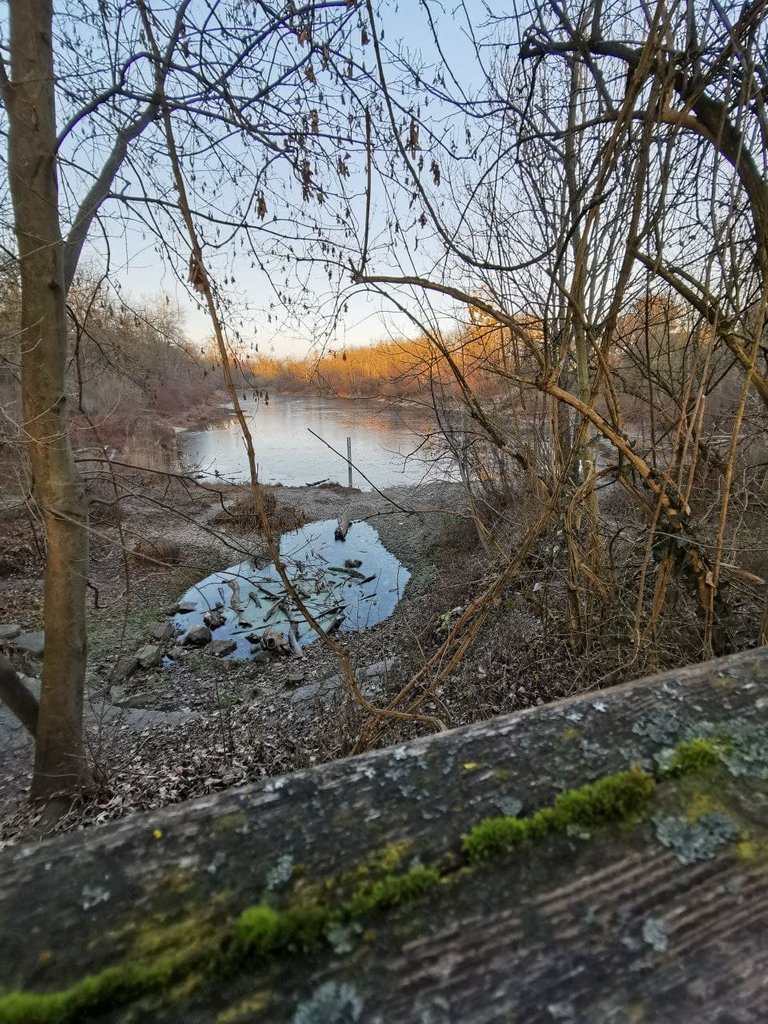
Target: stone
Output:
[
  {"x": 33, "y": 684},
  {"x": 9, "y": 631},
  {"x": 312, "y": 692},
  {"x": 214, "y": 618},
  {"x": 125, "y": 667},
  {"x": 198, "y": 636},
  {"x": 294, "y": 677},
  {"x": 139, "y": 699},
  {"x": 186, "y": 606},
  {"x": 378, "y": 668},
  {"x": 218, "y": 648},
  {"x": 32, "y": 643},
  {"x": 161, "y": 631},
  {"x": 149, "y": 655},
  {"x": 136, "y": 718}
]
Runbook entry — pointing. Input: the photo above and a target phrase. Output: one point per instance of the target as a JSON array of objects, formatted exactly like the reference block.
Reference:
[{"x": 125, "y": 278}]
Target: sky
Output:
[{"x": 147, "y": 277}]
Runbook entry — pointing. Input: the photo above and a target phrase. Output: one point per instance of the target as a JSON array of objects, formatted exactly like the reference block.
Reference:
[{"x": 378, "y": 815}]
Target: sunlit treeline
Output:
[{"x": 392, "y": 369}]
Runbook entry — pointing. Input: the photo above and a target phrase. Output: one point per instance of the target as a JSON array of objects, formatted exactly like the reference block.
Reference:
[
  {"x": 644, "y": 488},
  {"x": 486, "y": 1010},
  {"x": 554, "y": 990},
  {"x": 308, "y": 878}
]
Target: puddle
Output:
[{"x": 344, "y": 597}]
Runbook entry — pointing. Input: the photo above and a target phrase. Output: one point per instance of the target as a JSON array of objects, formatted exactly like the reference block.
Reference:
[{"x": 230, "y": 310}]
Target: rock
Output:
[
  {"x": 149, "y": 655},
  {"x": 294, "y": 677},
  {"x": 312, "y": 693},
  {"x": 161, "y": 631},
  {"x": 126, "y": 666},
  {"x": 32, "y": 643},
  {"x": 33, "y": 684},
  {"x": 134, "y": 718},
  {"x": 186, "y": 606},
  {"x": 378, "y": 668},
  {"x": 198, "y": 636},
  {"x": 214, "y": 618},
  {"x": 218, "y": 648},
  {"x": 139, "y": 699},
  {"x": 9, "y": 631}
]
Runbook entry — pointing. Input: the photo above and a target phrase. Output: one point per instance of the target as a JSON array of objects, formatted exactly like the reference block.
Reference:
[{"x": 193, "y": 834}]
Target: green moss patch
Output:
[{"x": 614, "y": 798}]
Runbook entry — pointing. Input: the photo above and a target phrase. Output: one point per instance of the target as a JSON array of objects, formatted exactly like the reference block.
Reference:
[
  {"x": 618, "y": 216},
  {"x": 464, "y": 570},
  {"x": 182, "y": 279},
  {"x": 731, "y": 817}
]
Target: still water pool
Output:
[{"x": 351, "y": 596}]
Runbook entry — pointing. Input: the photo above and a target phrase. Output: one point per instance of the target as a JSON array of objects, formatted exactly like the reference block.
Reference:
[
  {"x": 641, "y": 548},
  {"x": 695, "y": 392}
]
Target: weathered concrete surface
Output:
[{"x": 611, "y": 927}]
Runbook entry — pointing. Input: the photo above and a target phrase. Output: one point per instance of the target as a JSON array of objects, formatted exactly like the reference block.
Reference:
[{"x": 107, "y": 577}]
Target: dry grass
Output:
[
  {"x": 151, "y": 551},
  {"x": 242, "y": 515}
]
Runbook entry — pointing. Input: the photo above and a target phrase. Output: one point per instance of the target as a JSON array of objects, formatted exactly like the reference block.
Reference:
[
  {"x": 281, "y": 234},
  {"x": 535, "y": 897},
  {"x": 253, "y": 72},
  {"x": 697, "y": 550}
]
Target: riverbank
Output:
[
  {"x": 199, "y": 723},
  {"x": 185, "y": 723}
]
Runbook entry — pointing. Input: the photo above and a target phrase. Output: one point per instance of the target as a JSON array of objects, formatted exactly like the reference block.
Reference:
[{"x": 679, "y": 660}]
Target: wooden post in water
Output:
[{"x": 349, "y": 460}]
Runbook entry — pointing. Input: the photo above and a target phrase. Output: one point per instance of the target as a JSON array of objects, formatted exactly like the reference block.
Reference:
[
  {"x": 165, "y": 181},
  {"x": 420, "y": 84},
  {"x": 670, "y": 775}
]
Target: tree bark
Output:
[{"x": 60, "y": 764}]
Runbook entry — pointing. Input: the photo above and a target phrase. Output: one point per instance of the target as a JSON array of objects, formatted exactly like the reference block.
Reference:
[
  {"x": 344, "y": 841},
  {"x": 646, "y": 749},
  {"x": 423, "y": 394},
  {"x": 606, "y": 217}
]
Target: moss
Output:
[
  {"x": 262, "y": 931},
  {"x": 692, "y": 756},
  {"x": 243, "y": 1011},
  {"x": 701, "y": 804},
  {"x": 112, "y": 987},
  {"x": 621, "y": 797},
  {"x": 229, "y": 822},
  {"x": 391, "y": 891},
  {"x": 390, "y": 858},
  {"x": 154, "y": 938}
]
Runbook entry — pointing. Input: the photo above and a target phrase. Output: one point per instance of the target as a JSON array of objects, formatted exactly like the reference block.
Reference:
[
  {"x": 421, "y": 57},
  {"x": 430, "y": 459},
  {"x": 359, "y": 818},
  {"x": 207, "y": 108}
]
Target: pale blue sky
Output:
[{"x": 145, "y": 276}]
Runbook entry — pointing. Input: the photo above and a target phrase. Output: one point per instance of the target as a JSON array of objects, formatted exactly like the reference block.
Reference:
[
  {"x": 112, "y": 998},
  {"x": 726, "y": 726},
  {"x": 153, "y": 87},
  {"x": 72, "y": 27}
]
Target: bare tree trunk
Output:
[{"x": 60, "y": 764}]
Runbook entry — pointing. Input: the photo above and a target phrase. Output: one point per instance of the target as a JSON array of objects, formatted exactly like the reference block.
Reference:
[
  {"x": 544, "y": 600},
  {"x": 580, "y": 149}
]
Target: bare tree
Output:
[{"x": 242, "y": 78}]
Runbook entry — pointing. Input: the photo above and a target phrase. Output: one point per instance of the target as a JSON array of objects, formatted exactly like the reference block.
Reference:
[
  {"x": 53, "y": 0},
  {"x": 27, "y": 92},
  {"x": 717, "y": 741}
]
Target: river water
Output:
[{"x": 391, "y": 444}]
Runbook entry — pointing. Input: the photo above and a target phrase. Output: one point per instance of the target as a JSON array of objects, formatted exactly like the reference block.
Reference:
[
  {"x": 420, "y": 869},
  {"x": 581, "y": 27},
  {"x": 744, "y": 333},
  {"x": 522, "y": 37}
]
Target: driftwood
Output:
[
  {"x": 296, "y": 648},
  {"x": 15, "y": 695},
  {"x": 272, "y": 640},
  {"x": 660, "y": 919},
  {"x": 342, "y": 528}
]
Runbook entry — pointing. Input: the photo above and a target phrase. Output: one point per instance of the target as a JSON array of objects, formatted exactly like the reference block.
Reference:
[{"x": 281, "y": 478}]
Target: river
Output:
[{"x": 391, "y": 444}]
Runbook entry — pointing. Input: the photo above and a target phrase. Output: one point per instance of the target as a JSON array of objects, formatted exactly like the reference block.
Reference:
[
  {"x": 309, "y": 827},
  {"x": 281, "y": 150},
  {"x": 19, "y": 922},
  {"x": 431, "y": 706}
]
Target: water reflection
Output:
[
  {"x": 390, "y": 444},
  {"x": 347, "y": 585}
]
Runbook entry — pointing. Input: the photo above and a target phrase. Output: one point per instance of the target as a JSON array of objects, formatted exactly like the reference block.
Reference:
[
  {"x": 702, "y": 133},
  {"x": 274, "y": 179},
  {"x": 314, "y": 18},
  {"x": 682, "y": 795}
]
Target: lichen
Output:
[
  {"x": 333, "y": 1002},
  {"x": 280, "y": 874},
  {"x": 692, "y": 841},
  {"x": 655, "y": 934}
]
